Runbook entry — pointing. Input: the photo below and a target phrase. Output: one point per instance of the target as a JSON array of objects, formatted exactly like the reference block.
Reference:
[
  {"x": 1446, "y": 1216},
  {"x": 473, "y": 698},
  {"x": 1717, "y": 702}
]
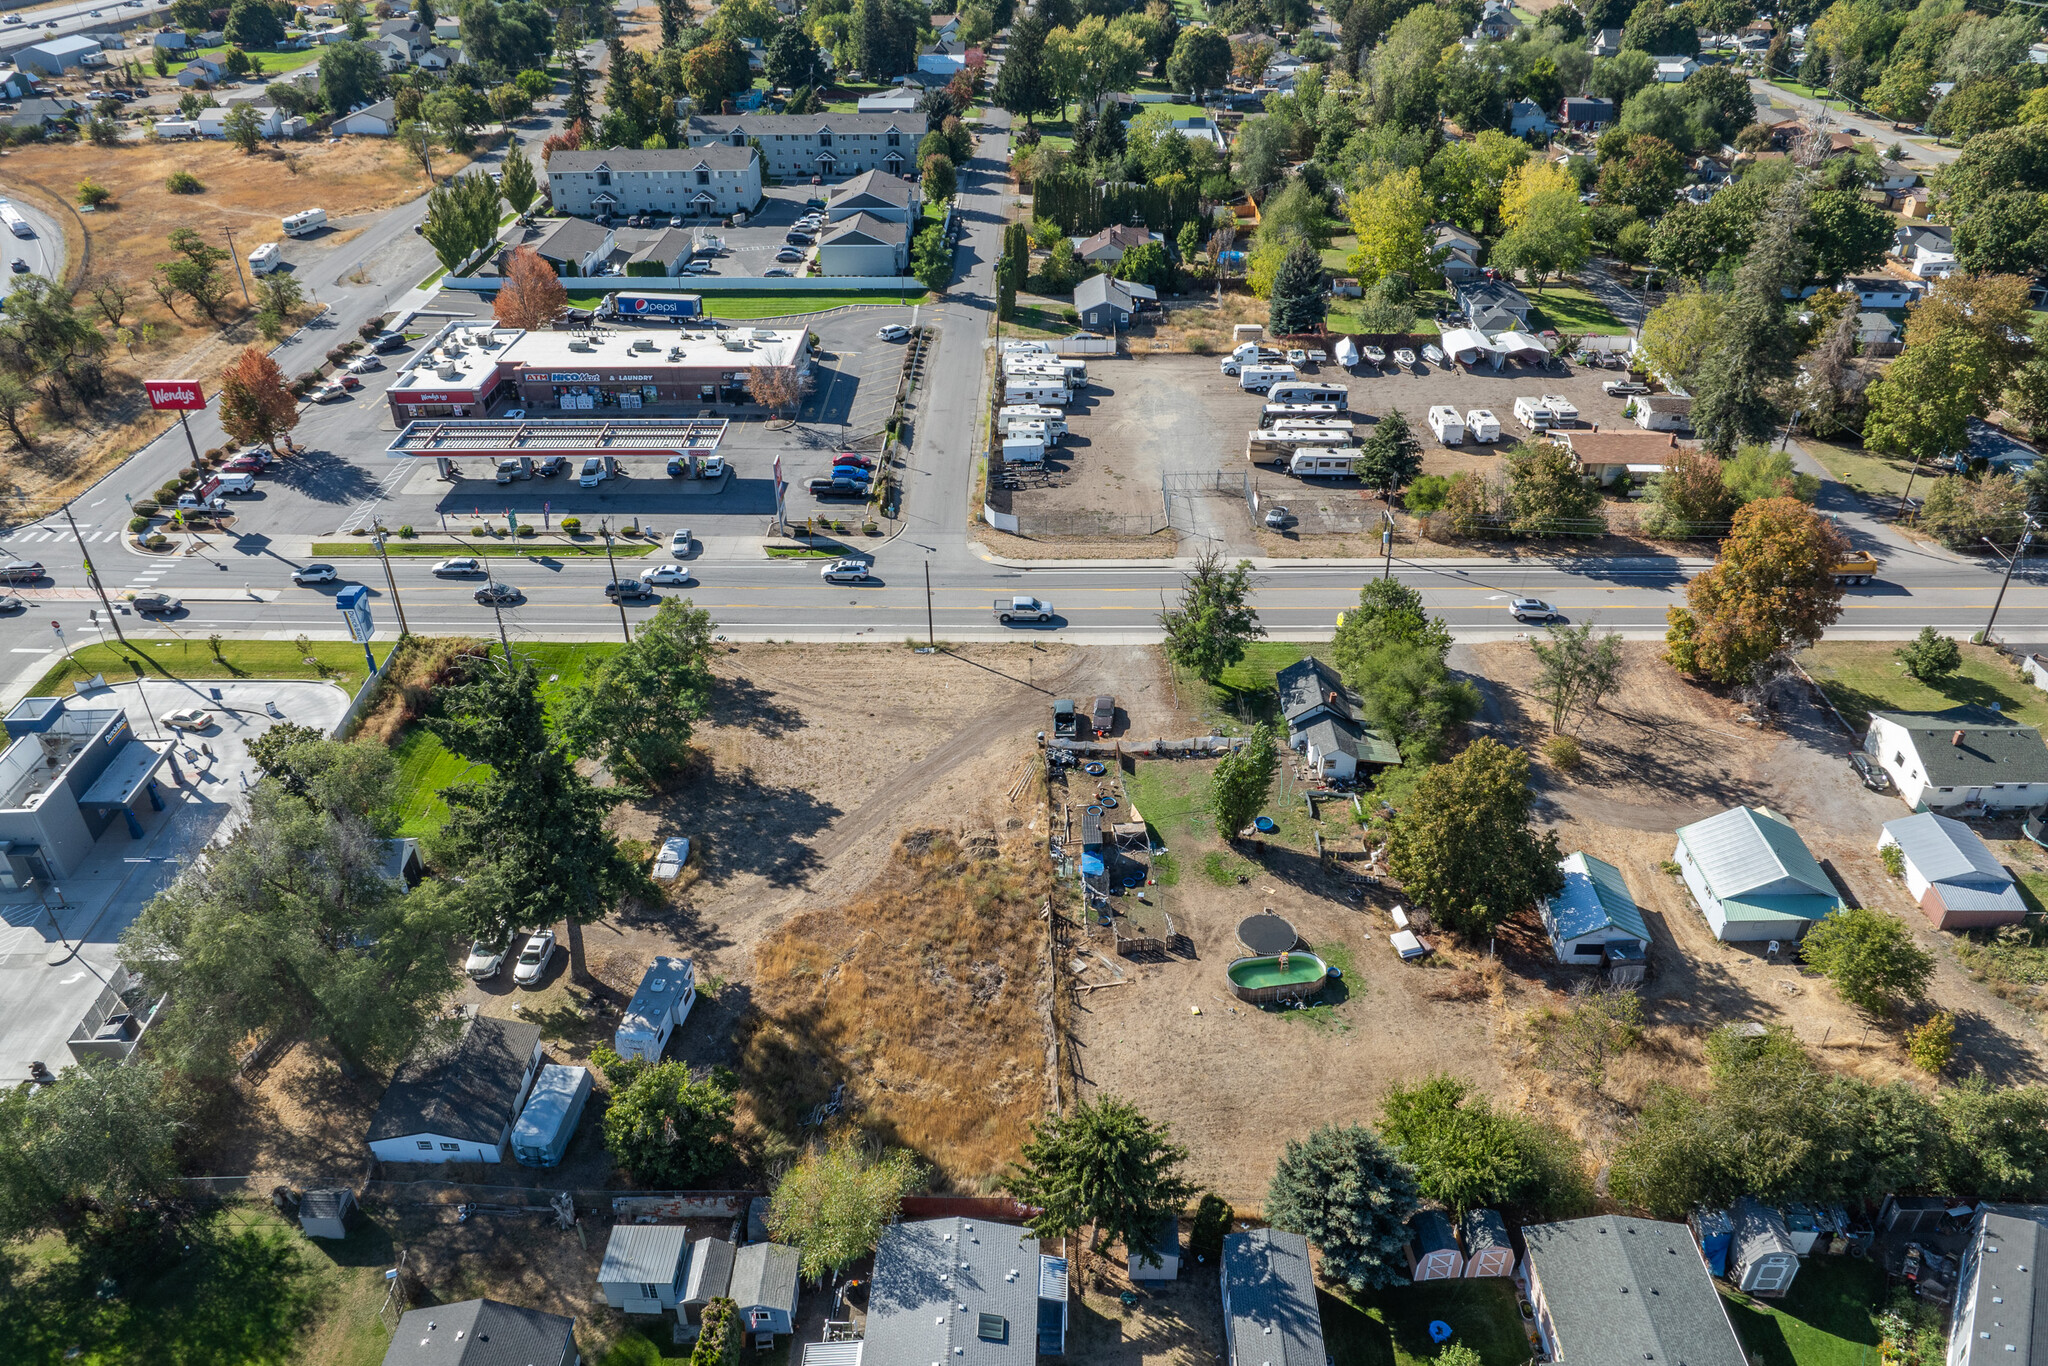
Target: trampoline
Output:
[{"x": 1266, "y": 935}]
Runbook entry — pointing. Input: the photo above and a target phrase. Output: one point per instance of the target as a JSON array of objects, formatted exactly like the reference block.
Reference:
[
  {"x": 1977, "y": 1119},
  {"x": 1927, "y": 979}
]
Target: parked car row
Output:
[{"x": 487, "y": 958}]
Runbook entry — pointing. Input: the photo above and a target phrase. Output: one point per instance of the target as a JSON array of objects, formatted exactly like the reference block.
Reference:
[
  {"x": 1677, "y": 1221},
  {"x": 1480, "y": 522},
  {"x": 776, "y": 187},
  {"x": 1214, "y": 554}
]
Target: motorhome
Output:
[
  {"x": 1032, "y": 367},
  {"x": 1030, "y": 348},
  {"x": 1035, "y": 389},
  {"x": 266, "y": 258},
  {"x": 1257, "y": 379},
  {"x": 1482, "y": 426},
  {"x": 1294, "y": 426},
  {"x": 1563, "y": 412},
  {"x": 1447, "y": 425},
  {"x": 1267, "y": 447},
  {"x": 1280, "y": 412},
  {"x": 1533, "y": 414},
  {"x": 1320, "y": 464},
  {"x": 305, "y": 221},
  {"x": 1310, "y": 393},
  {"x": 1041, "y": 432}
]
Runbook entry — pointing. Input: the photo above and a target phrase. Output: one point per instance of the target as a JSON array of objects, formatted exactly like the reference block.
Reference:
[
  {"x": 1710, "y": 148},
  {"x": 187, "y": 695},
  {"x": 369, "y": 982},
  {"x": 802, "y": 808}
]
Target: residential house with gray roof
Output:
[
  {"x": 964, "y": 1292},
  {"x": 2000, "y": 1313},
  {"x": 1108, "y": 305},
  {"x": 1965, "y": 761},
  {"x": 829, "y": 146},
  {"x": 878, "y": 194},
  {"x": 1326, "y": 722},
  {"x": 482, "y": 1333},
  {"x": 1616, "y": 1291},
  {"x": 1492, "y": 305},
  {"x": 576, "y": 246},
  {"x": 864, "y": 245},
  {"x": 456, "y": 1098},
  {"x": 1270, "y": 1317}
]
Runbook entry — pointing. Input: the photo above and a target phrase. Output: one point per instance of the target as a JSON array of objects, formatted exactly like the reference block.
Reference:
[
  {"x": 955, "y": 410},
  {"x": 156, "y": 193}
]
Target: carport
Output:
[{"x": 690, "y": 440}]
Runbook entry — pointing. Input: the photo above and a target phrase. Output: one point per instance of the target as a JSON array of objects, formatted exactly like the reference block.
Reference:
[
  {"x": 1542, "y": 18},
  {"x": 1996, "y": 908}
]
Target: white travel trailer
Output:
[
  {"x": 1320, "y": 464},
  {"x": 1563, "y": 412},
  {"x": 1020, "y": 450},
  {"x": 1447, "y": 425},
  {"x": 1033, "y": 389},
  {"x": 1041, "y": 432},
  {"x": 1257, "y": 379},
  {"x": 663, "y": 1001},
  {"x": 1482, "y": 426},
  {"x": 1533, "y": 414}
]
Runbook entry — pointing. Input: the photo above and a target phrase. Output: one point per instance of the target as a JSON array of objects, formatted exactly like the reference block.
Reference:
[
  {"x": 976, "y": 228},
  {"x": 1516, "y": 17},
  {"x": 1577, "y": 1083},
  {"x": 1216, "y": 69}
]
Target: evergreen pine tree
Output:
[
  {"x": 576, "y": 108},
  {"x": 1298, "y": 303},
  {"x": 1346, "y": 1193},
  {"x": 1391, "y": 457},
  {"x": 1021, "y": 84}
]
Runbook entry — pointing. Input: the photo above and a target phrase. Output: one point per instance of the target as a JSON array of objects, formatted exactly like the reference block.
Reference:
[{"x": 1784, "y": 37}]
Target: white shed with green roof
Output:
[
  {"x": 1592, "y": 912},
  {"x": 1752, "y": 876}
]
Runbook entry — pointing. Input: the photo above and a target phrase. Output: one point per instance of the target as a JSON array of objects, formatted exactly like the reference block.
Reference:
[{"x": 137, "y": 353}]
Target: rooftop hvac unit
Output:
[
  {"x": 449, "y": 370},
  {"x": 580, "y": 345}
]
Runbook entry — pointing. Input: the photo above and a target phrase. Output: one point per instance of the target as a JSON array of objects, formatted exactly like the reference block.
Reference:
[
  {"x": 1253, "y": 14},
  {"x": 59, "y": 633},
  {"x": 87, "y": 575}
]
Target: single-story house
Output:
[
  {"x": 1460, "y": 250},
  {"x": 1108, "y": 305},
  {"x": 1165, "y": 1245},
  {"x": 1762, "y": 1259},
  {"x": 16, "y": 85},
  {"x": 41, "y": 113},
  {"x": 1326, "y": 722},
  {"x": 899, "y": 100},
  {"x": 170, "y": 40},
  {"x": 1433, "y": 1252},
  {"x": 877, "y": 194},
  {"x": 1881, "y": 291},
  {"x": 1664, "y": 413},
  {"x": 1270, "y": 1315},
  {"x": 455, "y": 1100},
  {"x": 1588, "y": 112},
  {"x": 202, "y": 69},
  {"x": 1752, "y": 876},
  {"x": 764, "y": 1289},
  {"x": 1526, "y": 117},
  {"x": 1951, "y": 873},
  {"x": 925, "y": 1269},
  {"x": 379, "y": 120},
  {"x": 1965, "y": 761},
  {"x": 1107, "y": 247},
  {"x": 1612, "y": 1289},
  {"x": 1876, "y": 329},
  {"x": 864, "y": 245},
  {"x": 1671, "y": 70},
  {"x": 1594, "y": 917},
  {"x": 482, "y": 1333},
  {"x": 1199, "y": 128},
  {"x": 665, "y": 253},
  {"x": 271, "y": 122},
  {"x": 576, "y": 246},
  {"x": 397, "y": 54},
  {"x": 1492, "y": 305},
  {"x": 643, "y": 1267},
  {"x": 2001, "y": 1288},
  {"x": 1606, "y": 43},
  {"x": 943, "y": 58},
  {"x": 1488, "y": 1249},
  {"x": 439, "y": 58},
  {"x": 1610, "y": 457}
]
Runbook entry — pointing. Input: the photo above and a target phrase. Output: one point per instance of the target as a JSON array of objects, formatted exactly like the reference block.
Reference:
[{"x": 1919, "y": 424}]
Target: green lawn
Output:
[
  {"x": 1391, "y": 1327},
  {"x": 1860, "y": 677},
  {"x": 272, "y": 62},
  {"x": 540, "y": 546},
  {"x": 425, "y": 767},
  {"x": 741, "y": 305},
  {"x": 246, "y": 1288},
  {"x": 1246, "y": 690},
  {"x": 1337, "y": 256},
  {"x": 1871, "y": 473},
  {"x": 1571, "y": 309},
  {"x": 1027, "y": 323},
  {"x": 1826, "y": 1319},
  {"x": 150, "y": 652}
]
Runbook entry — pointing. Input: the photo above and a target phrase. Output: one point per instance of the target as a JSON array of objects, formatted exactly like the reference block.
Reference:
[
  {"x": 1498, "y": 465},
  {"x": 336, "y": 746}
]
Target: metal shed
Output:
[
  {"x": 1164, "y": 1244},
  {"x": 1433, "y": 1253},
  {"x": 324, "y": 1213},
  {"x": 549, "y": 1120},
  {"x": 1761, "y": 1258},
  {"x": 1488, "y": 1252}
]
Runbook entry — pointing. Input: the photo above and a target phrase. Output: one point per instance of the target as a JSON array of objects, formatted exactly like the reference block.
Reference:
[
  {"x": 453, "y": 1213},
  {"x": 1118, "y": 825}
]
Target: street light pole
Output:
[
  {"x": 618, "y": 592},
  {"x": 2010, "y": 565},
  {"x": 94, "y": 575},
  {"x": 238, "y": 264},
  {"x": 931, "y": 634},
  {"x": 391, "y": 581}
]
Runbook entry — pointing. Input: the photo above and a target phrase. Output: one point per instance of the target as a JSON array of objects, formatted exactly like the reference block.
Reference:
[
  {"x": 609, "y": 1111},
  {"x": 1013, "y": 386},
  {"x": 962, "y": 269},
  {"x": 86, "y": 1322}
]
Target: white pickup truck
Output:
[{"x": 1022, "y": 608}]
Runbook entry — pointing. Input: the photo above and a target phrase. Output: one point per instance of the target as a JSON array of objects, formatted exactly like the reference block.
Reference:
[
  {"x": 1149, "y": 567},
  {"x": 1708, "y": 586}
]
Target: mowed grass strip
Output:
[
  {"x": 1391, "y": 1327},
  {"x": 148, "y": 654},
  {"x": 752, "y": 306},
  {"x": 538, "y": 547},
  {"x": 1860, "y": 677},
  {"x": 1826, "y": 1319}
]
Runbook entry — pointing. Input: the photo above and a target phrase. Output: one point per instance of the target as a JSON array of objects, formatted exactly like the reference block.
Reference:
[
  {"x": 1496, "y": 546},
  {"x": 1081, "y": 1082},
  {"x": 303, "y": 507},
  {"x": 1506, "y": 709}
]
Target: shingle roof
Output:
[
  {"x": 644, "y": 1254},
  {"x": 851, "y": 231},
  {"x": 877, "y": 184},
  {"x": 1119, "y": 235},
  {"x": 1948, "y": 853},
  {"x": 479, "y": 1333},
  {"x": 1621, "y": 1291},
  {"x": 925, "y": 1269},
  {"x": 765, "y": 1274},
  {"x": 462, "y": 1089},
  {"x": 712, "y": 157},
  {"x": 1994, "y": 747},
  {"x": 1594, "y": 898},
  {"x": 1309, "y": 684},
  {"x": 710, "y": 1270},
  {"x": 1273, "y": 1315},
  {"x": 1338, "y": 735},
  {"x": 670, "y": 244},
  {"x": 1743, "y": 852},
  {"x": 572, "y": 239},
  {"x": 1097, "y": 290},
  {"x": 387, "y": 110}
]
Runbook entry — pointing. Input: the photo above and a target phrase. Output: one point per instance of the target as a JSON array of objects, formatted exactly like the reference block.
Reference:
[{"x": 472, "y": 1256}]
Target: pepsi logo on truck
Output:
[{"x": 657, "y": 305}]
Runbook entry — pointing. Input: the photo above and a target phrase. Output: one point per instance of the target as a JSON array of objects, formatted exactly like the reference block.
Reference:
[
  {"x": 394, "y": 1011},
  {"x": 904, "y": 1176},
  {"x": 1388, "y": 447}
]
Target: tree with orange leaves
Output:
[
  {"x": 570, "y": 139},
  {"x": 531, "y": 295},
  {"x": 1772, "y": 591},
  {"x": 255, "y": 402}
]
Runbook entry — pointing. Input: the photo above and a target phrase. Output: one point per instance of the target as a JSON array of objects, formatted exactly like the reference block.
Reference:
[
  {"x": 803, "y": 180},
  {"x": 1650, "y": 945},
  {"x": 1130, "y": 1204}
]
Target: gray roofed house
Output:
[
  {"x": 1752, "y": 876},
  {"x": 667, "y": 249},
  {"x": 643, "y": 1267},
  {"x": 1107, "y": 247},
  {"x": 40, "y": 113},
  {"x": 1964, "y": 760},
  {"x": 1956, "y": 879},
  {"x": 1327, "y": 722},
  {"x": 1461, "y": 252},
  {"x": 1270, "y": 1316},
  {"x": 764, "y": 1287},
  {"x": 574, "y": 246},
  {"x": 482, "y": 1333},
  {"x": 1876, "y": 329},
  {"x": 926, "y": 1269},
  {"x": 1616, "y": 1291},
  {"x": 1108, "y": 305},
  {"x": 1590, "y": 111},
  {"x": 376, "y": 121},
  {"x": 1606, "y": 43},
  {"x": 1492, "y": 305},
  {"x": 864, "y": 245},
  {"x": 875, "y": 193},
  {"x": 710, "y": 1273},
  {"x": 454, "y": 1100},
  {"x": 2002, "y": 1289}
]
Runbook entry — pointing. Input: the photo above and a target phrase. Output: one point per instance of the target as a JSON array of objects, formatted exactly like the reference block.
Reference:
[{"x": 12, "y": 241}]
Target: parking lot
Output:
[
  {"x": 1151, "y": 433},
  {"x": 750, "y": 250}
]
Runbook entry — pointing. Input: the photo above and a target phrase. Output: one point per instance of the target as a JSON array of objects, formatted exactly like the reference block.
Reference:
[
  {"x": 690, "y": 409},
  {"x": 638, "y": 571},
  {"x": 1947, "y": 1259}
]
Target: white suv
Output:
[{"x": 593, "y": 472}]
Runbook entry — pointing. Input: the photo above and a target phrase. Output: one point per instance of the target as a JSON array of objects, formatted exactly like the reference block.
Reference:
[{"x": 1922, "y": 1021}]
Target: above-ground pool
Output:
[{"x": 1281, "y": 977}]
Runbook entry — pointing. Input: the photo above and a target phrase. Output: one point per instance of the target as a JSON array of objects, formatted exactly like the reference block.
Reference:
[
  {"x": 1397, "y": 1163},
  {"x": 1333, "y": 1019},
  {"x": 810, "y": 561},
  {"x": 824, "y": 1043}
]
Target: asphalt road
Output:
[
  {"x": 44, "y": 252},
  {"x": 73, "y": 18}
]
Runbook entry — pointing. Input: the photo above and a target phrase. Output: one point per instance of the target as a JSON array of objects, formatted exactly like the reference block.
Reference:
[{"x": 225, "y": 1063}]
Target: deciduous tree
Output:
[
  {"x": 1242, "y": 781},
  {"x": 1215, "y": 620},
  {"x": 1391, "y": 218},
  {"x": 1575, "y": 672},
  {"x": 1343, "y": 1190},
  {"x": 1548, "y": 495},
  {"x": 833, "y": 1203},
  {"x": 1689, "y": 499},
  {"x": 532, "y": 295},
  {"x": 1771, "y": 590},
  {"x": 668, "y": 1129},
  {"x": 519, "y": 188},
  {"x": 635, "y": 710},
  {"x": 1466, "y": 1154},
  {"x": 255, "y": 402},
  {"x": 1463, "y": 847}
]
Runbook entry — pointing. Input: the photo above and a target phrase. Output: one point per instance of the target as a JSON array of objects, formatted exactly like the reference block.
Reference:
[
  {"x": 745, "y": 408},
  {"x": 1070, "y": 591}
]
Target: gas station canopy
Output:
[{"x": 571, "y": 437}]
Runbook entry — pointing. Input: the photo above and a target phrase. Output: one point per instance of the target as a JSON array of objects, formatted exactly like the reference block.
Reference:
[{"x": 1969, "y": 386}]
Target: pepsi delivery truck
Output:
[{"x": 669, "y": 308}]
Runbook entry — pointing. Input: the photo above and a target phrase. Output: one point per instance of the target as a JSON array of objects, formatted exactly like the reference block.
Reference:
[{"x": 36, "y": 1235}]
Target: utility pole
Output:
[
  {"x": 93, "y": 575},
  {"x": 233, "y": 256},
  {"x": 931, "y": 634},
  {"x": 491, "y": 582},
  {"x": 1387, "y": 543},
  {"x": 618, "y": 592},
  {"x": 2010, "y": 565},
  {"x": 391, "y": 581},
  {"x": 1904, "y": 497}
]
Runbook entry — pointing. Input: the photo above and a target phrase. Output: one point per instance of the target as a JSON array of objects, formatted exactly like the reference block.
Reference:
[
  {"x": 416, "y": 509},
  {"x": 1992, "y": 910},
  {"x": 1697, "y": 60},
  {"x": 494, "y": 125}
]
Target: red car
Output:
[
  {"x": 243, "y": 464},
  {"x": 351, "y": 382},
  {"x": 849, "y": 458}
]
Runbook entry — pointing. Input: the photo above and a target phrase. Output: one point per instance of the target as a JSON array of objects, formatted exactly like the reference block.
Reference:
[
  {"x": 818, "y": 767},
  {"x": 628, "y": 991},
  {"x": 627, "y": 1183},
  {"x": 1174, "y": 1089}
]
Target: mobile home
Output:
[
  {"x": 1258, "y": 379},
  {"x": 1299, "y": 392},
  {"x": 1280, "y": 412},
  {"x": 1318, "y": 464},
  {"x": 1448, "y": 426}
]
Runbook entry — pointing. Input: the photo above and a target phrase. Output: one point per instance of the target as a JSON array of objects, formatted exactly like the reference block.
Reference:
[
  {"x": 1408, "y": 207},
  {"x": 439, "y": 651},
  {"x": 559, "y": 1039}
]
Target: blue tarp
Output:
[{"x": 1091, "y": 865}]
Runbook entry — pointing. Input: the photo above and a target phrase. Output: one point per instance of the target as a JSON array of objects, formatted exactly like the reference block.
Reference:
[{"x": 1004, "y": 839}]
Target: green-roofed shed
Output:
[{"x": 1752, "y": 876}]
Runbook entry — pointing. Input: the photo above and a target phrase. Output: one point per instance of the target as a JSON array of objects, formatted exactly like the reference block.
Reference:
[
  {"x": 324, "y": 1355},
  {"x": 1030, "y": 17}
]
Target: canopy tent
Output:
[
  {"x": 1516, "y": 345},
  {"x": 1467, "y": 344}
]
